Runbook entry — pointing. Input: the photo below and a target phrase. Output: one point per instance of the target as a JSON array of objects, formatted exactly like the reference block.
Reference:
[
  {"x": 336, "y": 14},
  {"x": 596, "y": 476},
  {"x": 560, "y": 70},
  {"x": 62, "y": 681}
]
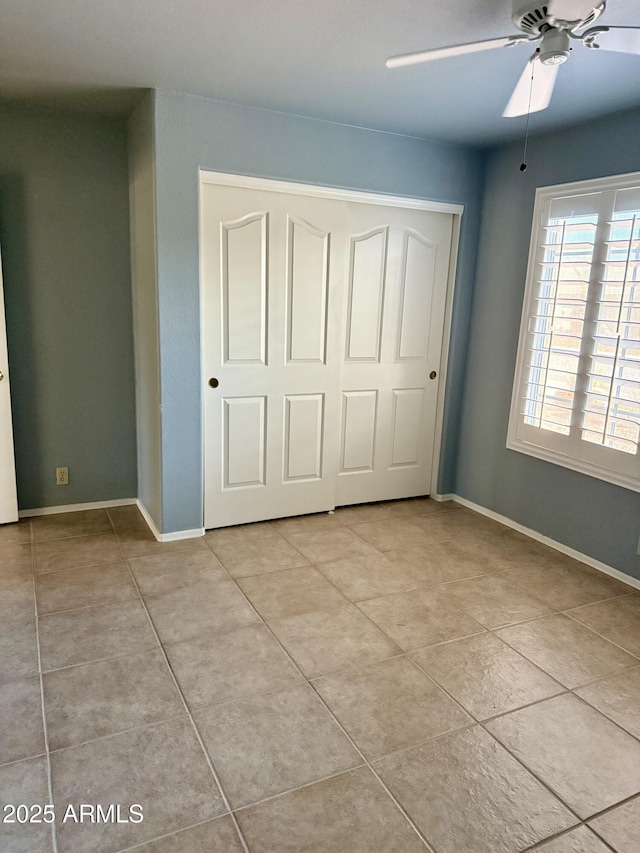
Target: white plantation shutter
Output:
[
  {"x": 576, "y": 394},
  {"x": 612, "y": 406}
]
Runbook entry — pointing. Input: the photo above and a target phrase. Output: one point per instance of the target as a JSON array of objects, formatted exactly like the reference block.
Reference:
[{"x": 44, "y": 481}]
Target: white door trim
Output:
[
  {"x": 8, "y": 487},
  {"x": 290, "y": 187},
  {"x": 444, "y": 356},
  {"x": 294, "y": 188}
]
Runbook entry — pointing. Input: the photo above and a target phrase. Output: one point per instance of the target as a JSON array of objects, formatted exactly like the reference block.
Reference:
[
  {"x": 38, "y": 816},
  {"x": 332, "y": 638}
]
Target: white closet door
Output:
[
  {"x": 394, "y": 311},
  {"x": 272, "y": 285},
  {"x": 8, "y": 497}
]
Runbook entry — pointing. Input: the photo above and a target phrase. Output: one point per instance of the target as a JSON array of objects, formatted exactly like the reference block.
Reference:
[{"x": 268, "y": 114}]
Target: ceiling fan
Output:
[{"x": 554, "y": 25}]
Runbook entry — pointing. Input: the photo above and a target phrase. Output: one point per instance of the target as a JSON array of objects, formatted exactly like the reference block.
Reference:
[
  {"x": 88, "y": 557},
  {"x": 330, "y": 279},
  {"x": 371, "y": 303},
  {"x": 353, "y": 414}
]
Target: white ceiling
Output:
[{"x": 317, "y": 58}]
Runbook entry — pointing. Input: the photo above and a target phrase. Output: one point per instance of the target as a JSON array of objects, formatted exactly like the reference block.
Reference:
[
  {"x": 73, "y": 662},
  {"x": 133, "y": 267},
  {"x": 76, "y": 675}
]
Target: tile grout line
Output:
[
  {"x": 127, "y": 731},
  {"x": 113, "y": 527},
  {"x": 626, "y": 669},
  {"x": 563, "y": 690},
  {"x": 214, "y": 773},
  {"x": 557, "y": 835},
  {"x": 270, "y": 797},
  {"x": 25, "y": 757},
  {"x": 535, "y": 776},
  {"x": 89, "y": 606},
  {"x": 142, "y": 844},
  {"x": 563, "y": 613},
  {"x": 99, "y": 565},
  {"x": 613, "y": 722},
  {"x": 600, "y": 678},
  {"x": 139, "y": 649},
  {"x": 634, "y": 593},
  {"x": 601, "y": 839},
  {"x": 45, "y": 728},
  {"x": 366, "y": 762},
  {"x": 606, "y": 811},
  {"x": 84, "y": 534},
  {"x": 609, "y": 809},
  {"x": 539, "y": 845},
  {"x": 602, "y": 636}
]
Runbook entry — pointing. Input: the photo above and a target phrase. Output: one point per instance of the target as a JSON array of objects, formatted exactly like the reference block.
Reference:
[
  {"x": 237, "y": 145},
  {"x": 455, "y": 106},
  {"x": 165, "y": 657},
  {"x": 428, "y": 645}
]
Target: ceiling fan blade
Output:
[
  {"x": 571, "y": 10},
  {"x": 544, "y": 81},
  {"x": 454, "y": 50},
  {"x": 621, "y": 39}
]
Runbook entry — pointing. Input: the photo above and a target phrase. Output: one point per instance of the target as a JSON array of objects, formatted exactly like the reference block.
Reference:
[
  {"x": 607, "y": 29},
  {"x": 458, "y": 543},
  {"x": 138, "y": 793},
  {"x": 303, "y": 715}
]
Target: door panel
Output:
[
  {"x": 303, "y": 436},
  {"x": 416, "y": 289},
  {"x": 366, "y": 295},
  {"x": 277, "y": 400},
  {"x": 412, "y": 292},
  {"x": 406, "y": 426},
  {"x": 307, "y": 296},
  {"x": 359, "y": 412},
  {"x": 244, "y": 441},
  {"x": 245, "y": 288}
]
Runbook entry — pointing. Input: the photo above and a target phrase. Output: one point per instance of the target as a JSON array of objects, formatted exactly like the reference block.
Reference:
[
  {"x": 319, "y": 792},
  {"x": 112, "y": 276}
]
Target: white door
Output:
[
  {"x": 8, "y": 498},
  {"x": 395, "y": 308},
  {"x": 322, "y": 319},
  {"x": 272, "y": 301}
]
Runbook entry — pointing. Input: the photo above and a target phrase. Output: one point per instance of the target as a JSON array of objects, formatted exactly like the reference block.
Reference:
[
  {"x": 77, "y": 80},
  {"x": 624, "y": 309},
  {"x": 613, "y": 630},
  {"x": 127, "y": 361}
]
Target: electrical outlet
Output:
[{"x": 62, "y": 476}]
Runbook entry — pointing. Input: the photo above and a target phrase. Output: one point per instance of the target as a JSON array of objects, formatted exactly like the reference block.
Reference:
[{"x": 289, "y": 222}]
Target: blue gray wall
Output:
[
  {"x": 192, "y": 133},
  {"x": 594, "y": 517},
  {"x": 64, "y": 235}
]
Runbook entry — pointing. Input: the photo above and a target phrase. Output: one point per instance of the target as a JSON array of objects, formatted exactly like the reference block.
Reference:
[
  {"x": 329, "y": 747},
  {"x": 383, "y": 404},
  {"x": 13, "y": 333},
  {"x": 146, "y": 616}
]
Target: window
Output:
[{"x": 576, "y": 395}]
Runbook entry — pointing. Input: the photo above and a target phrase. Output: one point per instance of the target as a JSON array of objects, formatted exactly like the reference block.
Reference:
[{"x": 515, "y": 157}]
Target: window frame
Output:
[{"x": 603, "y": 463}]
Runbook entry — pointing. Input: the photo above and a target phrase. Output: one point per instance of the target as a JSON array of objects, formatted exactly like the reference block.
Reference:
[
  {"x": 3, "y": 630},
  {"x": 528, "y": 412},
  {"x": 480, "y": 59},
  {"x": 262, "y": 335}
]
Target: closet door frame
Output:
[{"x": 295, "y": 188}]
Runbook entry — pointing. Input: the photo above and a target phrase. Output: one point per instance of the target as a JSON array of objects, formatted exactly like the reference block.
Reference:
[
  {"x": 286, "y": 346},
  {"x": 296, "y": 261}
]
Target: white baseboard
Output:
[
  {"x": 442, "y": 498},
  {"x": 167, "y": 537},
  {"x": 551, "y": 543},
  {"x": 161, "y": 537},
  {"x": 54, "y": 510}
]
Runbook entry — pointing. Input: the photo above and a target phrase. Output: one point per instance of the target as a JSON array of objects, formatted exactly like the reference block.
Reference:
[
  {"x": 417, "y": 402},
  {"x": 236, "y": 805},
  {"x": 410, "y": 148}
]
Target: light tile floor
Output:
[{"x": 387, "y": 679}]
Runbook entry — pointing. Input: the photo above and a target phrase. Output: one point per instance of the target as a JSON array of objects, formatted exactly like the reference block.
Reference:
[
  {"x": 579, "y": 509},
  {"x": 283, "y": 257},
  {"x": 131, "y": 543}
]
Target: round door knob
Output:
[
  {"x": 1, "y": 376},
  {"x": 433, "y": 374},
  {"x": 213, "y": 382}
]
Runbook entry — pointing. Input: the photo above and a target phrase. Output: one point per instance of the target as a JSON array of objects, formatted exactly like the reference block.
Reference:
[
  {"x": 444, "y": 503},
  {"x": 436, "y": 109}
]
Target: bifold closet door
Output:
[
  {"x": 272, "y": 285},
  {"x": 394, "y": 321}
]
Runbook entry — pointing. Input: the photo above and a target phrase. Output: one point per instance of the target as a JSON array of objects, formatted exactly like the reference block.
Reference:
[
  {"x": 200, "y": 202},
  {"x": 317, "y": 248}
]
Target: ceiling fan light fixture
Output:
[
  {"x": 554, "y": 59},
  {"x": 555, "y": 47}
]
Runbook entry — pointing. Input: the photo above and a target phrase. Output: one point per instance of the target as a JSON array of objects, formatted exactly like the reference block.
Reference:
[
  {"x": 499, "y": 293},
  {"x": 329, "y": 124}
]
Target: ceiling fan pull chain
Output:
[{"x": 523, "y": 165}]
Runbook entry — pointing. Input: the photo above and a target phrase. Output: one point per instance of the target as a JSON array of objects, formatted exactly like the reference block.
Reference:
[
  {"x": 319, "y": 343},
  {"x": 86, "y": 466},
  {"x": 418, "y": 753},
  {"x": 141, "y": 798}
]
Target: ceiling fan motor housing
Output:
[
  {"x": 534, "y": 18},
  {"x": 555, "y": 47}
]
